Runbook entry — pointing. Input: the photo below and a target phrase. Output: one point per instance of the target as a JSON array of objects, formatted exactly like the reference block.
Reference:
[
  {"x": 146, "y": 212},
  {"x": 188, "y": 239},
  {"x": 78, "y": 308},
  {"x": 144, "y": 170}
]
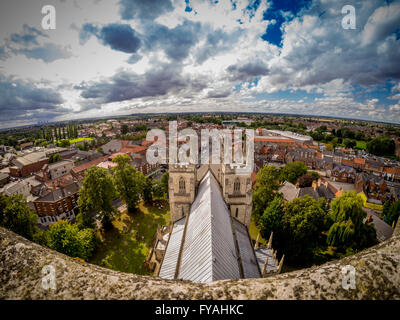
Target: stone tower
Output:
[
  {"x": 236, "y": 189},
  {"x": 182, "y": 189},
  {"x": 237, "y": 192}
]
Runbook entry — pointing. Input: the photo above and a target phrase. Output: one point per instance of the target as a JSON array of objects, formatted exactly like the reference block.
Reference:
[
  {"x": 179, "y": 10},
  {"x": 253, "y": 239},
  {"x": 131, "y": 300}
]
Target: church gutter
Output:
[{"x": 178, "y": 263}]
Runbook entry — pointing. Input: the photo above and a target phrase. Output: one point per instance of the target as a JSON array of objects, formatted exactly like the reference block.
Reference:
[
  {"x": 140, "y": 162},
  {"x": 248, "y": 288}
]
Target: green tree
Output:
[
  {"x": 386, "y": 207},
  {"x": 97, "y": 194},
  {"x": 381, "y": 146},
  {"x": 348, "y": 230},
  {"x": 124, "y": 129},
  {"x": 349, "y": 143},
  {"x": 68, "y": 239},
  {"x": 16, "y": 215},
  {"x": 271, "y": 219},
  {"x": 64, "y": 143},
  {"x": 292, "y": 171},
  {"x": 264, "y": 192},
  {"x": 393, "y": 213},
  {"x": 164, "y": 182},
  {"x": 128, "y": 181},
  {"x": 302, "y": 230},
  {"x": 151, "y": 189},
  {"x": 85, "y": 218},
  {"x": 54, "y": 158}
]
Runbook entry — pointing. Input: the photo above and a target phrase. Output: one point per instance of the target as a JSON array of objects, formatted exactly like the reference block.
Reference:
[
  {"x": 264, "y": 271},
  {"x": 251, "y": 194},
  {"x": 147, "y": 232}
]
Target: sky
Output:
[{"x": 116, "y": 57}]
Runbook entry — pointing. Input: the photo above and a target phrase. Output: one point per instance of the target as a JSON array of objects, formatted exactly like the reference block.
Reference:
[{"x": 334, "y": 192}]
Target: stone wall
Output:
[{"x": 21, "y": 263}]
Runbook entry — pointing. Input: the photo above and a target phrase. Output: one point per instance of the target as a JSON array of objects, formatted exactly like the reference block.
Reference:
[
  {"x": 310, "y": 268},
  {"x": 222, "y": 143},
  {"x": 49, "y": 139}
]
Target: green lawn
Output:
[
  {"x": 253, "y": 231},
  {"x": 361, "y": 145},
  {"x": 79, "y": 140},
  {"x": 124, "y": 248}
]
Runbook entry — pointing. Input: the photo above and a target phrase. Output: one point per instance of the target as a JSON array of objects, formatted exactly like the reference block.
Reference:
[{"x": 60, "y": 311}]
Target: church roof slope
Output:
[
  {"x": 167, "y": 270},
  {"x": 209, "y": 251}
]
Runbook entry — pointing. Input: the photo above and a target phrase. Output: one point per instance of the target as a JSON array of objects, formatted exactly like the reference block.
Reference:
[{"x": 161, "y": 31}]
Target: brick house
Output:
[
  {"x": 341, "y": 173},
  {"x": 58, "y": 204},
  {"x": 28, "y": 164},
  {"x": 373, "y": 186}
]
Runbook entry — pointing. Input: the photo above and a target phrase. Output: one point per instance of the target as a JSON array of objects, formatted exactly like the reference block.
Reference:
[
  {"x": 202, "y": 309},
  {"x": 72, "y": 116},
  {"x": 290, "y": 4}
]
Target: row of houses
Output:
[{"x": 52, "y": 189}]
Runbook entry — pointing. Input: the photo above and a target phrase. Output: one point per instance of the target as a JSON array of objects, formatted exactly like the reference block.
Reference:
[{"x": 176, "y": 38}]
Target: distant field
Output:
[
  {"x": 361, "y": 145},
  {"x": 80, "y": 139}
]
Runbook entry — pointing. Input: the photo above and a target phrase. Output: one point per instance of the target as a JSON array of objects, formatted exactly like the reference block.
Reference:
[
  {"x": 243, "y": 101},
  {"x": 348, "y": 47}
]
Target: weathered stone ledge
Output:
[{"x": 21, "y": 263}]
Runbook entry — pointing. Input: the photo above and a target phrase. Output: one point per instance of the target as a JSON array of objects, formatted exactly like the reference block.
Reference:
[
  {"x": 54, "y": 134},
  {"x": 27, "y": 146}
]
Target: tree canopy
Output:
[
  {"x": 264, "y": 193},
  {"x": 128, "y": 181},
  {"x": 292, "y": 171},
  {"x": 348, "y": 229},
  {"x": 16, "y": 215},
  {"x": 68, "y": 239},
  {"x": 381, "y": 146},
  {"x": 97, "y": 194}
]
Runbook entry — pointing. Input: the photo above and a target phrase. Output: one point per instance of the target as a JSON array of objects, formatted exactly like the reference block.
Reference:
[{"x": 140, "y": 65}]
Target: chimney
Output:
[{"x": 314, "y": 185}]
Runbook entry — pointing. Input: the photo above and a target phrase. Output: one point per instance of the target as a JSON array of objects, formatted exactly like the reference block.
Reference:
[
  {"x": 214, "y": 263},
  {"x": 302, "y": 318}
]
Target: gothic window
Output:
[
  {"x": 182, "y": 185},
  {"x": 183, "y": 212},
  {"x": 236, "y": 186},
  {"x": 236, "y": 212}
]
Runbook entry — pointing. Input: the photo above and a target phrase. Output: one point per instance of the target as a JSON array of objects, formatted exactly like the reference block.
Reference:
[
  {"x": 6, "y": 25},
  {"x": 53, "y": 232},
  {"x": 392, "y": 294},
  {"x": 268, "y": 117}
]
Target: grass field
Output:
[
  {"x": 361, "y": 145},
  {"x": 124, "y": 248},
  {"x": 79, "y": 140}
]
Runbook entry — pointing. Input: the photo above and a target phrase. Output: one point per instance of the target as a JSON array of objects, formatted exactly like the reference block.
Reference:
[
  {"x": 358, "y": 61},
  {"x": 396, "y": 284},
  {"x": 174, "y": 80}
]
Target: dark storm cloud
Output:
[
  {"x": 139, "y": 9},
  {"x": 28, "y": 36},
  {"x": 49, "y": 52},
  {"x": 120, "y": 37},
  {"x": 128, "y": 85},
  {"x": 18, "y": 97},
  {"x": 247, "y": 71},
  {"x": 175, "y": 42}
]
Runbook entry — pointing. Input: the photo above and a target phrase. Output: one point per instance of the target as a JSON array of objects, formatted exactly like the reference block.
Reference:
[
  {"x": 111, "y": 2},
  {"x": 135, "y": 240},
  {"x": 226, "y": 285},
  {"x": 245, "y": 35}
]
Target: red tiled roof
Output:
[
  {"x": 87, "y": 165},
  {"x": 272, "y": 139},
  {"x": 359, "y": 160},
  {"x": 389, "y": 170}
]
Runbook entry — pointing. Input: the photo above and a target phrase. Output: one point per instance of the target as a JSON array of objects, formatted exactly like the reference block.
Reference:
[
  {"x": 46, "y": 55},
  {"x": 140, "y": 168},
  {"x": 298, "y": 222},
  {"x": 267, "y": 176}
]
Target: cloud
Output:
[
  {"x": 219, "y": 93},
  {"x": 383, "y": 22},
  {"x": 127, "y": 85},
  {"x": 49, "y": 52},
  {"x": 247, "y": 71},
  {"x": 175, "y": 42},
  {"x": 217, "y": 41},
  {"x": 22, "y": 99},
  {"x": 139, "y": 9},
  {"x": 120, "y": 37},
  {"x": 28, "y": 36}
]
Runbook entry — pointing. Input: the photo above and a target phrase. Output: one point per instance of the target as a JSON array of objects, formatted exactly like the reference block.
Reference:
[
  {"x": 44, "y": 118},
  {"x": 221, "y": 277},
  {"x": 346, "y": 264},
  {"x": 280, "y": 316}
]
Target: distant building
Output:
[
  {"x": 55, "y": 170},
  {"x": 17, "y": 187},
  {"x": 28, "y": 164},
  {"x": 4, "y": 178}
]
